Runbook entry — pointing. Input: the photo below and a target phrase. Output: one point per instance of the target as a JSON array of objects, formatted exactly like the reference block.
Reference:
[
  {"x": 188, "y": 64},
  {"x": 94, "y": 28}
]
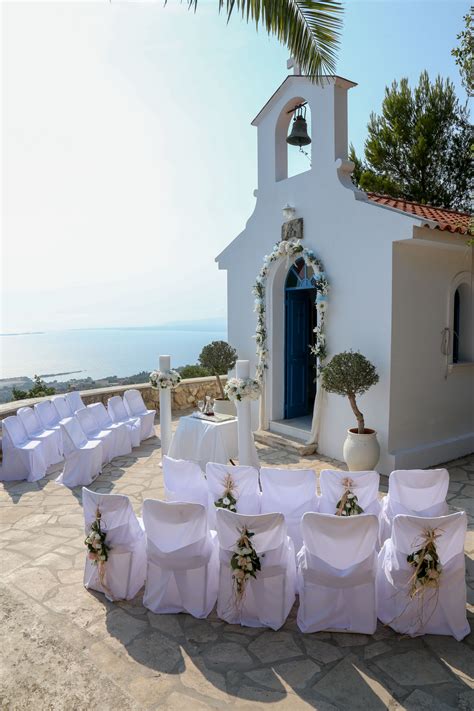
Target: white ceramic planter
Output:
[
  {"x": 361, "y": 451},
  {"x": 224, "y": 407}
]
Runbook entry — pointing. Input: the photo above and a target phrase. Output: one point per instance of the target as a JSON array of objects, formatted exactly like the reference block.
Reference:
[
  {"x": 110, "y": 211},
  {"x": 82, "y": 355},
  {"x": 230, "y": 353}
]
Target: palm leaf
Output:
[{"x": 309, "y": 29}]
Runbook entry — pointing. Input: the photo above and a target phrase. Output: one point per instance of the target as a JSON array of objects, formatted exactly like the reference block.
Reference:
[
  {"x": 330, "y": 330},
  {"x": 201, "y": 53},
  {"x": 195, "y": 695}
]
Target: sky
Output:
[{"x": 128, "y": 158}]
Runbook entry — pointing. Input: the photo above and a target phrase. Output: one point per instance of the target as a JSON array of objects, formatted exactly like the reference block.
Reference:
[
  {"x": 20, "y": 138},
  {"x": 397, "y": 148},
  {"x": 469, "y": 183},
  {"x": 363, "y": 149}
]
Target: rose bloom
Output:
[{"x": 239, "y": 574}]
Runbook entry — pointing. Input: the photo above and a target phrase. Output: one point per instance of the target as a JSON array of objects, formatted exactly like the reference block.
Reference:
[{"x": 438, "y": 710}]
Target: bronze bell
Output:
[{"x": 299, "y": 132}]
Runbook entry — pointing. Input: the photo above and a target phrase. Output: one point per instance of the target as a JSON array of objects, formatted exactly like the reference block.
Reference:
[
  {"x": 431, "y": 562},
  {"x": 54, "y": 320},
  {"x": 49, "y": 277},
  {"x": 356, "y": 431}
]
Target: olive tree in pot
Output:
[
  {"x": 218, "y": 358},
  {"x": 351, "y": 374}
]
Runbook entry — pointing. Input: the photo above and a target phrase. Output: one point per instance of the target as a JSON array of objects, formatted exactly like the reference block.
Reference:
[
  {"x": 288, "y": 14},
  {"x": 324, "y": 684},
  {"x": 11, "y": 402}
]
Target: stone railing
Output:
[{"x": 184, "y": 396}]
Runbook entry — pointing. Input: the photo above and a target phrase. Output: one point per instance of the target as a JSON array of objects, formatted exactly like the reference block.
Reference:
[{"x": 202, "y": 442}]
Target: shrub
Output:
[
  {"x": 39, "y": 389},
  {"x": 218, "y": 358},
  {"x": 350, "y": 374},
  {"x": 193, "y": 371}
]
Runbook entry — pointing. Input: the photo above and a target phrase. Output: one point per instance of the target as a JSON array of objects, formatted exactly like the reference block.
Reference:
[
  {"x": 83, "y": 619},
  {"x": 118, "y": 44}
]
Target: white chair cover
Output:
[
  {"x": 50, "y": 420},
  {"x": 184, "y": 481},
  {"x": 336, "y": 573},
  {"x": 74, "y": 401},
  {"x": 82, "y": 457},
  {"x": 269, "y": 598},
  {"x": 119, "y": 415},
  {"x": 183, "y": 560},
  {"x": 291, "y": 491},
  {"x": 125, "y": 568},
  {"x": 135, "y": 407},
  {"x": 62, "y": 407},
  {"x": 50, "y": 438},
  {"x": 365, "y": 485},
  {"x": 22, "y": 458},
  {"x": 122, "y": 436},
  {"x": 415, "y": 492},
  {"x": 90, "y": 429},
  {"x": 438, "y": 611},
  {"x": 247, "y": 491}
]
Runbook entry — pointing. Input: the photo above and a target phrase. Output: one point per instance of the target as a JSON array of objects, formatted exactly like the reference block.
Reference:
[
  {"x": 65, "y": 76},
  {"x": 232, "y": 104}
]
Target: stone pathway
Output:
[{"x": 66, "y": 648}]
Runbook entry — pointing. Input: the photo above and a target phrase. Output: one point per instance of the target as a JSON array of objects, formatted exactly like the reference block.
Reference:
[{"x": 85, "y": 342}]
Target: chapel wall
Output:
[{"x": 432, "y": 402}]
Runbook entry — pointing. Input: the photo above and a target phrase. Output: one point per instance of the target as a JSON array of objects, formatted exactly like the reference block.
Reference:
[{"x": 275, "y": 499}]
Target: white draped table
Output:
[{"x": 204, "y": 441}]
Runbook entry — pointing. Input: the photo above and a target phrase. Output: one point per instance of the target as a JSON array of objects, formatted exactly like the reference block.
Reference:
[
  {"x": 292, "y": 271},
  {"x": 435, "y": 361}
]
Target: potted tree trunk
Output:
[
  {"x": 351, "y": 374},
  {"x": 218, "y": 358}
]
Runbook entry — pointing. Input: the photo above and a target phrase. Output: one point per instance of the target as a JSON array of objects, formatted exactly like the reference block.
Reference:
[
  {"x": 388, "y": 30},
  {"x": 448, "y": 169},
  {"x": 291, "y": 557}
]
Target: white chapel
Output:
[{"x": 399, "y": 290}]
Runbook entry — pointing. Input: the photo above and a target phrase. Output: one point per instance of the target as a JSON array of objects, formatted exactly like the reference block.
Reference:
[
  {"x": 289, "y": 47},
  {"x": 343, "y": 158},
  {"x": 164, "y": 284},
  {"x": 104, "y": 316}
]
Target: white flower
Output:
[{"x": 226, "y": 501}]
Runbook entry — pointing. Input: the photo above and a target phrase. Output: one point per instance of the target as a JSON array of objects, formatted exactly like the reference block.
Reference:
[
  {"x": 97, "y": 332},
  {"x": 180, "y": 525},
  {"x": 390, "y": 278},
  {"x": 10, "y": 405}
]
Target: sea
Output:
[{"x": 100, "y": 352}]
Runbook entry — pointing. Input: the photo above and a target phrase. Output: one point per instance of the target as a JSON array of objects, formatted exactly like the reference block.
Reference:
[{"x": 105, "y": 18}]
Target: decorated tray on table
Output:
[{"x": 213, "y": 418}]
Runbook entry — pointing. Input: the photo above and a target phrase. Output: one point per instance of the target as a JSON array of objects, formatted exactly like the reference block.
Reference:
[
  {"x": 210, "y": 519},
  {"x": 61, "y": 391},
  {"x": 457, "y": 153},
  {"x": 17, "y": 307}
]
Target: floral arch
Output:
[{"x": 288, "y": 249}]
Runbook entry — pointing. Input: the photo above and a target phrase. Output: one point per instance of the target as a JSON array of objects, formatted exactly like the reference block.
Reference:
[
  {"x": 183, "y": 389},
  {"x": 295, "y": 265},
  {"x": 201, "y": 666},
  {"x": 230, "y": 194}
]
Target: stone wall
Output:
[{"x": 184, "y": 396}]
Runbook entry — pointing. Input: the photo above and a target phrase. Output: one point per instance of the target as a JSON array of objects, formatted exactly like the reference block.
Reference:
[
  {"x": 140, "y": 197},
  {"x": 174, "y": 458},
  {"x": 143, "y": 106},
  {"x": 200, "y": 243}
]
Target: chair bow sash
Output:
[
  {"x": 317, "y": 571},
  {"x": 196, "y": 555}
]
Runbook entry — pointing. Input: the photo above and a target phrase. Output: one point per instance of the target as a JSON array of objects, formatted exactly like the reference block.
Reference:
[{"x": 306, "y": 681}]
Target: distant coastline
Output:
[
  {"x": 78, "y": 359},
  {"x": 192, "y": 326},
  {"x": 24, "y": 333}
]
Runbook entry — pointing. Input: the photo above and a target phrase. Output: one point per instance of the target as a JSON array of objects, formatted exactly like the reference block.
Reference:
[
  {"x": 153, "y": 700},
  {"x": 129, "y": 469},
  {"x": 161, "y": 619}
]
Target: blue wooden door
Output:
[{"x": 298, "y": 337}]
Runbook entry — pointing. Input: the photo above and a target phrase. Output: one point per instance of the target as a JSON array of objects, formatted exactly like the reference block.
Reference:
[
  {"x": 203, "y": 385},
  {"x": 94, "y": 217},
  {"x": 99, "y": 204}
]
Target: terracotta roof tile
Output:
[{"x": 449, "y": 220}]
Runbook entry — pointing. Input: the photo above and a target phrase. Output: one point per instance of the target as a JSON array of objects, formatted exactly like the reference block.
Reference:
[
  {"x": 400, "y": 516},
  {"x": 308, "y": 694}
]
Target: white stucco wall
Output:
[
  {"x": 432, "y": 403},
  {"x": 353, "y": 238}
]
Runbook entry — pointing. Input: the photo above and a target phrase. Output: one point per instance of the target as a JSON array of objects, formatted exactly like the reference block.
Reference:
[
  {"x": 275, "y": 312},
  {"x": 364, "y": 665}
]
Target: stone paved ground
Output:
[{"x": 66, "y": 648}]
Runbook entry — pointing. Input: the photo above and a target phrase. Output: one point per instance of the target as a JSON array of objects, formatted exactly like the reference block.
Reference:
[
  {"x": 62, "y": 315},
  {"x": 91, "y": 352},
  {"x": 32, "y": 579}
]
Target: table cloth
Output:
[{"x": 203, "y": 442}]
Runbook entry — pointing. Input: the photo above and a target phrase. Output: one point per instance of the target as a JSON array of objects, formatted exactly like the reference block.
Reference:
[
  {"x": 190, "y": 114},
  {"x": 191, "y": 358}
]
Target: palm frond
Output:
[{"x": 310, "y": 29}]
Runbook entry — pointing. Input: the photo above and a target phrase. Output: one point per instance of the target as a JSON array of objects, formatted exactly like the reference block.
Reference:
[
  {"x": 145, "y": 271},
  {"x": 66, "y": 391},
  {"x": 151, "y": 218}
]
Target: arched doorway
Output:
[{"x": 300, "y": 322}]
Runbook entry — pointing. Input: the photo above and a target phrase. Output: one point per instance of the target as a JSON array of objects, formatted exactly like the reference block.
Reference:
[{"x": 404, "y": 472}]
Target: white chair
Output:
[
  {"x": 291, "y": 491},
  {"x": 365, "y": 485},
  {"x": 119, "y": 415},
  {"x": 269, "y": 597},
  {"x": 183, "y": 560},
  {"x": 136, "y": 408},
  {"x": 336, "y": 573},
  {"x": 437, "y": 610},
  {"x": 184, "y": 481},
  {"x": 247, "y": 490},
  {"x": 74, "y": 401},
  {"x": 49, "y": 418},
  {"x": 82, "y": 457},
  {"x": 92, "y": 431},
  {"x": 34, "y": 429},
  {"x": 61, "y": 406},
  {"x": 22, "y": 458},
  {"x": 125, "y": 569},
  {"x": 123, "y": 439},
  {"x": 415, "y": 492}
]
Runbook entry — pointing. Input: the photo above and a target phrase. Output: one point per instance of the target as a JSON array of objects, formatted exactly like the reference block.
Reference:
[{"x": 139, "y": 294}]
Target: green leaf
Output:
[{"x": 310, "y": 29}]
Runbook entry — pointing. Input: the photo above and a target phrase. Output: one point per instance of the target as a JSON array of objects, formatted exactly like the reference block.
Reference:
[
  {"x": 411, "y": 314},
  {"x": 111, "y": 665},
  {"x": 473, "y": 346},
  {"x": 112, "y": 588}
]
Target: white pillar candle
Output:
[
  {"x": 247, "y": 452},
  {"x": 165, "y": 408}
]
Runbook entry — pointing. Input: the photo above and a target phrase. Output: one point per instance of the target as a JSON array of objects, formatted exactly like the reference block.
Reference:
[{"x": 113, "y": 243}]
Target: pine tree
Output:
[{"x": 420, "y": 147}]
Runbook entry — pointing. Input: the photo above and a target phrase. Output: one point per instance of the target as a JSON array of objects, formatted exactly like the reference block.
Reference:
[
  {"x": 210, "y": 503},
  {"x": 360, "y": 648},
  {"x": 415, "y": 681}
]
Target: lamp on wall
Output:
[{"x": 288, "y": 212}]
